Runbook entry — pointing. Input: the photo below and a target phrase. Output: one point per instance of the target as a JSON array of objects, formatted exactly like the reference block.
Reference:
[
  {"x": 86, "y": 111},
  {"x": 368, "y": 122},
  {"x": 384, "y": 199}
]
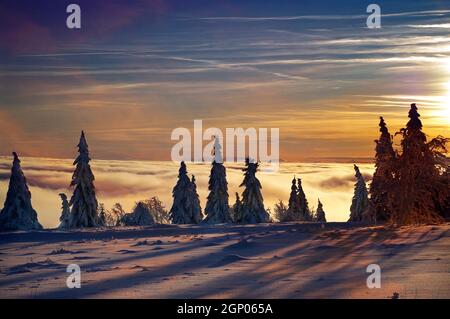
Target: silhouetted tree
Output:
[
  {"x": 320, "y": 214},
  {"x": 117, "y": 212},
  {"x": 65, "y": 213},
  {"x": 158, "y": 211},
  {"x": 294, "y": 212},
  {"x": 236, "y": 210},
  {"x": 385, "y": 158},
  {"x": 217, "y": 209},
  {"x": 420, "y": 190},
  {"x": 186, "y": 204},
  {"x": 84, "y": 203},
  {"x": 18, "y": 213},
  {"x": 304, "y": 213},
  {"x": 282, "y": 212},
  {"x": 360, "y": 201},
  {"x": 253, "y": 210}
]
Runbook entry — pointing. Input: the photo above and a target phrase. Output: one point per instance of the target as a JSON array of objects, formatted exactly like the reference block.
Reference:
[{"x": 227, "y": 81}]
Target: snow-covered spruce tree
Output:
[
  {"x": 360, "y": 201},
  {"x": 103, "y": 214},
  {"x": 236, "y": 210},
  {"x": 253, "y": 210},
  {"x": 140, "y": 216},
  {"x": 18, "y": 213},
  {"x": 294, "y": 212},
  {"x": 419, "y": 191},
  {"x": 217, "y": 209},
  {"x": 83, "y": 202},
  {"x": 320, "y": 214},
  {"x": 196, "y": 209},
  {"x": 186, "y": 205},
  {"x": 65, "y": 212},
  {"x": 304, "y": 211},
  {"x": 382, "y": 177}
]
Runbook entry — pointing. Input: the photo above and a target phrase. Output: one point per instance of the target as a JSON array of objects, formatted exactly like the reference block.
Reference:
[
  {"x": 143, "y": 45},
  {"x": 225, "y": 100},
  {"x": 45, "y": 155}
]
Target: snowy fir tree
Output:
[
  {"x": 253, "y": 210},
  {"x": 420, "y": 191},
  {"x": 18, "y": 213},
  {"x": 294, "y": 212},
  {"x": 186, "y": 204},
  {"x": 83, "y": 202},
  {"x": 320, "y": 214},
  {"x": 65, "y": 212},
  {"x": 360, "y": 201},
  {"x": 304, "y": 211},
  {"x": 196, "y": 209},
  {"x": 236, "y": 210},
  {"x": 103, "y": 215},
  {"x": 140, "y": 216},
  {"x": 383, "y": 176},
  {"x": 217, "y": 209}
]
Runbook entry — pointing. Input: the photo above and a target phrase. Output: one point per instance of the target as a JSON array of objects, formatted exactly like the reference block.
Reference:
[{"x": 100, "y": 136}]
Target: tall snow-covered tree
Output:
[
  {"x": 420, "y": 191},
  {"x": 83, "y": 203},
  {"x": 186, "y": 204},
  {"x": 382, "y": 177},
  {"x": 236, "y": 210},
  {"x": 360, "y": 201},
  {"x": 65, "y": 212},
  {"x": 320, "y": 214},
  {"x": 217, "y": 209},
  {"x": 294, "y": 212},
  {"x": 253, "y": 210},
  {"x": 140, "y": 216},
  {"x": 304, "y": 211},
  {"x": 18, "y": 213},
  {"x": 196, "y": 209}
]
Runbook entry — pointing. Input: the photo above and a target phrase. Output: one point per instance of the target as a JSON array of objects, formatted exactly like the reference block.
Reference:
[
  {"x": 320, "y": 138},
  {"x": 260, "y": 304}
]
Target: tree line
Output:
[{"x": 410, "y": 185}]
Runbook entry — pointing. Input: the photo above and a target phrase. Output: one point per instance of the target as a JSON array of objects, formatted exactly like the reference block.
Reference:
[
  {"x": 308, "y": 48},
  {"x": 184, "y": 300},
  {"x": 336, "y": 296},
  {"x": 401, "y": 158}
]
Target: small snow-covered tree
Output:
[
  {"x": 360, "y": 201},
  {"x": 320, "y": 214},
  {"x": 304, "y": 211},
  {"x": 186, "y": 204},
  {"x": 158, "y": 211},
  {"x": 65, "y": 212},
  {"x": 18, "y": 213},
  {"x": 196, "y": 209},
  {"x": 281, "y": 211},
  {"x": 236, "y": 210},
  {"x": 140, "y": 216},
  {"x": 117, "y": 213},
  {"x": 217, "y": 209},
  {"x": 83, "y": 202},
  {"x": 253, "y": 210},
  {"x": 294, "y": 211}
]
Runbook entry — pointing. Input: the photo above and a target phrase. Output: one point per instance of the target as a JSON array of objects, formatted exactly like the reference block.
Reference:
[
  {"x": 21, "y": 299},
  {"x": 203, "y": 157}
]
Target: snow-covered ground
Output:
[{"x": 255, "y": 261}]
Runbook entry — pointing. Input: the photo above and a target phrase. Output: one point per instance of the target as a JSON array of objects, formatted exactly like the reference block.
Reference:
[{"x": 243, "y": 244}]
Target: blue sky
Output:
[{"x": 138, "y": 69}]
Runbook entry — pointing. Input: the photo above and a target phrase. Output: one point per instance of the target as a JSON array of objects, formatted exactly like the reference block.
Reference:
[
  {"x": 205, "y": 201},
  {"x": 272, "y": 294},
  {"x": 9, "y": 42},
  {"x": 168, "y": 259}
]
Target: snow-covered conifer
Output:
[
  {"x": 83, "y": 202},
  {"x": 18, "y": 213},
  {"x": 360, "y": 201},
  {"x": 320, "y": 214},
  {"x": 217, "y": 209},
  {"x": 253, "y": 210},
  {"x": 65, "y": 212}
]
